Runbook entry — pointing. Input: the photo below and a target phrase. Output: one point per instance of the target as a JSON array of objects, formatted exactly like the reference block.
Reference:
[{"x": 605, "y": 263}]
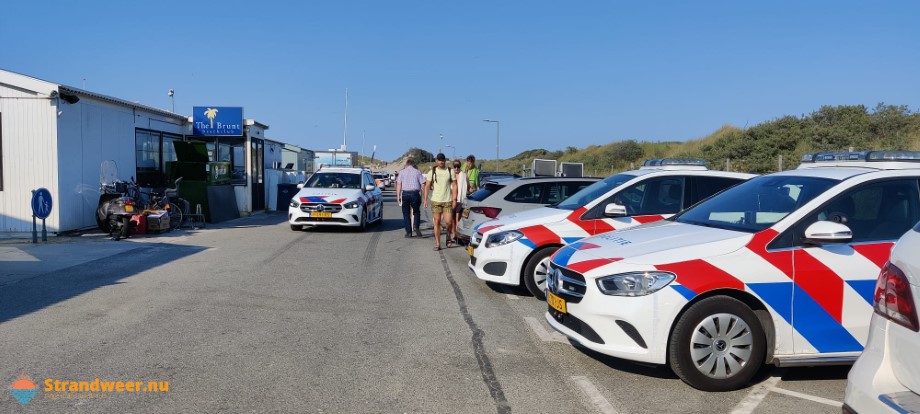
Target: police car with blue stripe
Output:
[{"x": 778, "y": 270}]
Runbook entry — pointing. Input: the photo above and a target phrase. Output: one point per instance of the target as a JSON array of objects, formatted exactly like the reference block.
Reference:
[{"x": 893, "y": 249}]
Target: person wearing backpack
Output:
[{"x": 441, "y": 190}]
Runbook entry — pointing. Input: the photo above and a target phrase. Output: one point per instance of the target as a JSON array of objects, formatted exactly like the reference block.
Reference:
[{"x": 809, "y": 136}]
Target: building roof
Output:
[{"x": 117, "y": 101}]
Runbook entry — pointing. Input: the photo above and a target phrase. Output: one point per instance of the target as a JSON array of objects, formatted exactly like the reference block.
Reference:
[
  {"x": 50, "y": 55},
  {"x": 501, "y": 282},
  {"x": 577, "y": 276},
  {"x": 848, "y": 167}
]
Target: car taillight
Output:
[
  {"x": 893, "y": 299},
  {"x": 490, "y": 212},
  {"x": 129, "y": 202}
]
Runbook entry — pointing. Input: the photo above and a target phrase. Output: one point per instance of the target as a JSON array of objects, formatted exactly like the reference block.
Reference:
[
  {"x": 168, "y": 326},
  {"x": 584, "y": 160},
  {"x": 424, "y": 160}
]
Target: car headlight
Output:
[
  {"x": 353, "y": 204},
  {"x": 503, "y": 237},
  {"x": 295, "y": 202},
  {"x": 635, "y": 283}
]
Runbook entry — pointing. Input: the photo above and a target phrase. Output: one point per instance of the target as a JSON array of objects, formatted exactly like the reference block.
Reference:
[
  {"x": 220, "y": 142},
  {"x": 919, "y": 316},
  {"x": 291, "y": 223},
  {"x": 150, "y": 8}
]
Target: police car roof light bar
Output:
[
  {"x": 674, "y": 161},
  {"x": 870, "y": 156}
]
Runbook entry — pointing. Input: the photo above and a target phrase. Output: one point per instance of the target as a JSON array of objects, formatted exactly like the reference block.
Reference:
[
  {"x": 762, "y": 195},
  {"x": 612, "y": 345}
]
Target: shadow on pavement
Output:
[
  {"x": 509, "y": 290},
  {"x": 828, "y": 373},
  {"x": 34, "y": 293},
  {"x": 654, "y": 371}
]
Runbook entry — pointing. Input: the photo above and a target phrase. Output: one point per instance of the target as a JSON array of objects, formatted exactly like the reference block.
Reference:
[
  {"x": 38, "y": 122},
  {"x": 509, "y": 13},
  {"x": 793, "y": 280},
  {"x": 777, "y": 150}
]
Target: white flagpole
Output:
[{"x": 345, "y": 135}]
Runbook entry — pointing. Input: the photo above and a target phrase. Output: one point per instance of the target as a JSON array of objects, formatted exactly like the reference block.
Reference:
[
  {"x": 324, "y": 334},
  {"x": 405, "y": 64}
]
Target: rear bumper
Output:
[{"x": 872, "y": 386}]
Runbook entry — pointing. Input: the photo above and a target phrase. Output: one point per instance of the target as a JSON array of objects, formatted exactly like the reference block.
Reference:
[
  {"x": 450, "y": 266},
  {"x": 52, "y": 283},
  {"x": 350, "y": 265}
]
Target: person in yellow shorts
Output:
[{"x": 441, "y": 189}]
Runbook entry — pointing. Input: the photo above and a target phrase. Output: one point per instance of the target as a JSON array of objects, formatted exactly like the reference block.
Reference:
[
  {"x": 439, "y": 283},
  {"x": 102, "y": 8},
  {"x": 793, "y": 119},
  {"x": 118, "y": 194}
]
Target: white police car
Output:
[
  {"x": 886, "y": 377},
  {"x": 780, "y": 269},
  {"x": 337, "y": 197},
  {"x": 515, "y": 249}
]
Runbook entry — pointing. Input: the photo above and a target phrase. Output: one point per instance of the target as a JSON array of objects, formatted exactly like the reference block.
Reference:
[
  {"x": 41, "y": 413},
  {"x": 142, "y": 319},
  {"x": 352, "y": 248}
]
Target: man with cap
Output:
[{"x": 441, "y": 189}]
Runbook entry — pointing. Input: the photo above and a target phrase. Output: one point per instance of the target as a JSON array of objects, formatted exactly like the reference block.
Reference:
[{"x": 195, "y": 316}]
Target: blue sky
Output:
[{"x": 554, "y": 73}]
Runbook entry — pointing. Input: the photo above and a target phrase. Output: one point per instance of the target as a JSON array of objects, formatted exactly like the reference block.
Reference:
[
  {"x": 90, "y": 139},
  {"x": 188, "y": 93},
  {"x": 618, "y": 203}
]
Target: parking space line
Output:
[
  {"x": 594, "y": 396},
  {"x": 807, "y": 397},
  {"x": 756, "y": 396},
  {"x": 508, "y": 293}
]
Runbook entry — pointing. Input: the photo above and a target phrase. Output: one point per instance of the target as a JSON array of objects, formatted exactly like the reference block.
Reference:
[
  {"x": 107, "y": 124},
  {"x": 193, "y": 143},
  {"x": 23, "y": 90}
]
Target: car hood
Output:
[
  {"x": 650, "y": 244},
  {"x": 542, "y": 215},
  {"x": 327, "y": 195}
]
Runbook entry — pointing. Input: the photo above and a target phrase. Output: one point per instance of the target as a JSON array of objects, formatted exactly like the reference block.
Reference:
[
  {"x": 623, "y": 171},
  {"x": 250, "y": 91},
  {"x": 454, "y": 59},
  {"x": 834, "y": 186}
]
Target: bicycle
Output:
[{"x": 169, "y": 201}]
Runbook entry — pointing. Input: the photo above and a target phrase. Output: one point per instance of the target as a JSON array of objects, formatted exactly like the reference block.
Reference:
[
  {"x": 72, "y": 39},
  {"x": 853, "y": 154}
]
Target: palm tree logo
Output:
[{"x": 211, "y": 113}]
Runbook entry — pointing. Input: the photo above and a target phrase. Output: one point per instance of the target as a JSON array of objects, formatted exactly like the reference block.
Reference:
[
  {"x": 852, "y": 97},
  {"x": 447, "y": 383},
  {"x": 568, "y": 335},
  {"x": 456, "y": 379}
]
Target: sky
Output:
[{"x": 555, "y": 74}]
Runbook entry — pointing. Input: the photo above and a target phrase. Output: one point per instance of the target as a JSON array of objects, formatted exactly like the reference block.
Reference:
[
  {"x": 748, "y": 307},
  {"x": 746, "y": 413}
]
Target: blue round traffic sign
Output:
[{"x": 41, "y": 203}]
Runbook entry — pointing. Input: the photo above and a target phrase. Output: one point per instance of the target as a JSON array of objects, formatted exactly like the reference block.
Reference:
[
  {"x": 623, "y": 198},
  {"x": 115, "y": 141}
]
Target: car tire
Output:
[
  {"x": 536, "y": 268},
  {"x": 363, "y": 225},
  {"x": 717, "y": 345},
  {"x": 296, "y": 227}
]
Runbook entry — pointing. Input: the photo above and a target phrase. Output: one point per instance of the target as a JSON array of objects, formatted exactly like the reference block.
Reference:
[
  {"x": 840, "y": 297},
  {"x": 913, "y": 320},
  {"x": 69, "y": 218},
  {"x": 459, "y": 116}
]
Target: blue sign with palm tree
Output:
[{"x": 217, "y": 120}]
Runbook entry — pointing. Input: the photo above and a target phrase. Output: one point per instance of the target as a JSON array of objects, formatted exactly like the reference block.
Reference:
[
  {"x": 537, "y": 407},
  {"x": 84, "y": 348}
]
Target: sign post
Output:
[{"x": 41, "y": 209}]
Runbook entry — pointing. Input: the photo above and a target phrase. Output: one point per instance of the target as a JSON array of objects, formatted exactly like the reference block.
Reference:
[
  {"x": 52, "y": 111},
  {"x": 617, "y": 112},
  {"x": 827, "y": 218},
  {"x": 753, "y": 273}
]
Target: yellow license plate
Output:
[
  {"x": 466, "y": 213},
  {"x": 555, "y": 302},
  {"x": 320, "y": 214},
  {"x": 469, "y": 249},
  {"x": 129, "y": 209}
]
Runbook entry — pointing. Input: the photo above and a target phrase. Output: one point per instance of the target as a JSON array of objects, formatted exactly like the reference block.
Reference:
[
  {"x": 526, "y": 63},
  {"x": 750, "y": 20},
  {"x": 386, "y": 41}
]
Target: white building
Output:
[{"x": 55, "y": 136}]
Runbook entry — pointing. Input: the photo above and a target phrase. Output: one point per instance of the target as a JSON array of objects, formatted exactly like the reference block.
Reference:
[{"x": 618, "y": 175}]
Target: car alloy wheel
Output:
[
  {"x": 718, "y": 344},
  {"x": 536, "y": 270},
  {"x": 721, "y": 345}
]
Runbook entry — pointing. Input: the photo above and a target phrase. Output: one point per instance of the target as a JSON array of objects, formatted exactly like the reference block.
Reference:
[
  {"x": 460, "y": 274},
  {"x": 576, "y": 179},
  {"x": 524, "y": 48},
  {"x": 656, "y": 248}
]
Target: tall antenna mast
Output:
[{"x": 345, "y": 136}]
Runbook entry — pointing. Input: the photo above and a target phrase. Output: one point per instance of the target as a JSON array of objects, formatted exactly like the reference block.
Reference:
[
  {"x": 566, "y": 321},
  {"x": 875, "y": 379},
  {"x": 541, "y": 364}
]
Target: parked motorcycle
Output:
[{"x": 116, "y": 202}]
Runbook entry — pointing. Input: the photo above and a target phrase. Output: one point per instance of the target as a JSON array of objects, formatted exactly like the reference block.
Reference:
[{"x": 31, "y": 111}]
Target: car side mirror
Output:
[
  {"x": 300, "y": 186},
  {"x": 369, "y": 187},
  {"x": 615, "y": 210},
  {"x": 825, "y": 232}
]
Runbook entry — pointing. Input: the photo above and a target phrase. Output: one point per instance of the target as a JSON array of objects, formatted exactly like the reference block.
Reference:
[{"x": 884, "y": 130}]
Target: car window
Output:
[
  {"x": 877, "y": 211},
  {"x": 702, "y": 188},
  {"x": 655, "y": 196},
  {"x": 527, "y": 193},
  {"x": 663, "y": 195},
  {"x": 485, "y": 191},
  {"x": 757, "y": 203},
  {"x": 333, "y": 180},
  {"x": 558, "y": 191}
]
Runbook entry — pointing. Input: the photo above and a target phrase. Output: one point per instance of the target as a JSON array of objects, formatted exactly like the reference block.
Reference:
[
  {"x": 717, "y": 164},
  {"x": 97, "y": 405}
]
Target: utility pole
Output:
[{"x": 497, "y": 134}]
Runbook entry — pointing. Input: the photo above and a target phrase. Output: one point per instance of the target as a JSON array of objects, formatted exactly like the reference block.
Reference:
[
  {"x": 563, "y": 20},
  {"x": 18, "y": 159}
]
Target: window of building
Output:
[{"x": 152, "y": 150}]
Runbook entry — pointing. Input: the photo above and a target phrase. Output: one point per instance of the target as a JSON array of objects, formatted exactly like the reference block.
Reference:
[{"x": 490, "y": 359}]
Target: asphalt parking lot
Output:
[{"x": 252, "y": 317}]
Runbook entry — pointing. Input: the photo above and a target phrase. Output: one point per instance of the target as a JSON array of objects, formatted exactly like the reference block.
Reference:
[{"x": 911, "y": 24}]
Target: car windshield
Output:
[
  {"x": 756, "y": 204},
  {"x": 593, "y": 191},
  {"x": 334, "y": 180}
]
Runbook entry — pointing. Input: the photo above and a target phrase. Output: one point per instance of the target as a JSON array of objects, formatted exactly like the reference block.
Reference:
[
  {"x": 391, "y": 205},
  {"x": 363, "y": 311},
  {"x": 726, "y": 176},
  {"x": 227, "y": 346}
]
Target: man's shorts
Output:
[{"x": 439, "y": 207}]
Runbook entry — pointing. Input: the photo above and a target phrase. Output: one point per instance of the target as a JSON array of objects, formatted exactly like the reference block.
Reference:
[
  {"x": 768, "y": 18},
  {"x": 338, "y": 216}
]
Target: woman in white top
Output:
[{"x": 463, "y": 185}]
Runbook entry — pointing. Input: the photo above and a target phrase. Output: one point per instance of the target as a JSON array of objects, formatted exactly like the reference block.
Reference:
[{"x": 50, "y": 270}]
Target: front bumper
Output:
[
  {"x": 500, "y": 264},
  {"x": 633, "y": 328},
  {"x": 343, "y": 218}
]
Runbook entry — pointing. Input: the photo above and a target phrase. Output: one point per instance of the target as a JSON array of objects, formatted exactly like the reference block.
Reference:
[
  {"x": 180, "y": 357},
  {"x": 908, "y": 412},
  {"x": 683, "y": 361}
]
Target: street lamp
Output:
[
  {"x": 497, "y": 129},
  {"x": 442, "y": 143},
  {"x": 455, "y": 150},
  {"x": 172, "y": 98}
]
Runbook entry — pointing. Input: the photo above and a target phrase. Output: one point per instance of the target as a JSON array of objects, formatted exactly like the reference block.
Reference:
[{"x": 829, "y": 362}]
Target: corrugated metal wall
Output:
[
  {"x": 92, "y": 131},
  {"x": 28, "y": 137}
]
